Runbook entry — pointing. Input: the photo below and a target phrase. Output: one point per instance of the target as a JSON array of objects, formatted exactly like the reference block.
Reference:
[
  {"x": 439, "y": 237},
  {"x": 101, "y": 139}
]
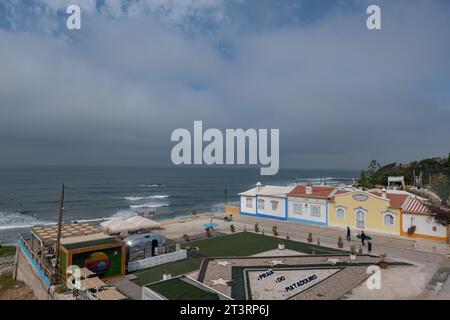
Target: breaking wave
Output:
[
  {"x": 149, "y": 205},
  {"x": 137, "y": 198},
  {"x": 16, "y": 220},
  {"x": 152, "y": 185}
]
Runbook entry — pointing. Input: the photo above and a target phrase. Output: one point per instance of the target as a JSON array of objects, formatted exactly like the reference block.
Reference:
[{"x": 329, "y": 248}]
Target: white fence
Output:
[{"x": 157, "y": 260}]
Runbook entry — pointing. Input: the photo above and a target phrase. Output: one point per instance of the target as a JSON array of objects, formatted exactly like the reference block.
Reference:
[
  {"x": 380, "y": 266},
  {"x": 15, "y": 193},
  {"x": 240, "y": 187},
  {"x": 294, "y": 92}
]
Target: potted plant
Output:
[
  {"x": 281, "y": 245},
  {"x": 232, "y": 229},
  {"x": 340, "y": 243},
  {"x": 352, "y": 253},
  {"x": 310, "y": 238},
  {"x": 256, "y": 227},
  {"x": 383, "y": 263},
  {"x": 411, "y": 230},
  {"x": 275, "y": 231}
]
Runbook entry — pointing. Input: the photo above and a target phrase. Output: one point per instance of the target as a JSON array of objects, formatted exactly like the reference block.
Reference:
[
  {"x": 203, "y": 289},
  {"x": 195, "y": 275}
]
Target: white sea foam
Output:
[
  {"x": 90, "y": 220},
  {"x": 16, "y": 220},
  {"x": 154, "y": 185},
  {"x": 124, "y": 214},
  {"x": 137, "y": 198},
  {"x": 150, "y": 205}
]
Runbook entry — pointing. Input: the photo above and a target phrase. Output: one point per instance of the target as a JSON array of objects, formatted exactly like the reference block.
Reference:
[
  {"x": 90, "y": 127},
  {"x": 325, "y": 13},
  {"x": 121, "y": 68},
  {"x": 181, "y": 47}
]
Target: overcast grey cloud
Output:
[{"x": 113, "y": 92}]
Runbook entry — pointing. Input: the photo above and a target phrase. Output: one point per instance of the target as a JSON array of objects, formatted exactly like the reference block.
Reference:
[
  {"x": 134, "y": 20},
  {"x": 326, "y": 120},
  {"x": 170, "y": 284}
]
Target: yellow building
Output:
[{"x": 375, "y": 211}]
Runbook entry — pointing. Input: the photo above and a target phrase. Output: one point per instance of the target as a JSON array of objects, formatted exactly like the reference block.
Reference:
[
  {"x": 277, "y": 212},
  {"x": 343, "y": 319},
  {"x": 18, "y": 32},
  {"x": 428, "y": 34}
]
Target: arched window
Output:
[
  {"x": 340, "y": 214},
  {"x": 389, "y": 219}
]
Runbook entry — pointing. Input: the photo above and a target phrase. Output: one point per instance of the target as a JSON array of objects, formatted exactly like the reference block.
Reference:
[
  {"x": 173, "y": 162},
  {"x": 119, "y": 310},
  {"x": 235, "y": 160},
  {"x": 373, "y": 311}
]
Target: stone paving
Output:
[
  {"x": 221, "y": 268},
  {"x": 427, "y": 256}
]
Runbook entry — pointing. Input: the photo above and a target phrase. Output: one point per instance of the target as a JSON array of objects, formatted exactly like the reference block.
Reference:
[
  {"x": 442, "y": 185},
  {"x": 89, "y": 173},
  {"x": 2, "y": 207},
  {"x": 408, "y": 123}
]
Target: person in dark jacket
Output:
[
  {"x": 363, "y": 238},
  {"x": 348, "y": 233}
]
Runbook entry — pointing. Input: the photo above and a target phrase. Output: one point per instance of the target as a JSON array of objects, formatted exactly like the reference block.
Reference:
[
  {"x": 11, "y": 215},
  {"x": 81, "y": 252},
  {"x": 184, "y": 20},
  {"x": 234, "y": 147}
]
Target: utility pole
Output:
[
  {"x": 226, "y": 196},
  {"x": 58, "y": 237}
]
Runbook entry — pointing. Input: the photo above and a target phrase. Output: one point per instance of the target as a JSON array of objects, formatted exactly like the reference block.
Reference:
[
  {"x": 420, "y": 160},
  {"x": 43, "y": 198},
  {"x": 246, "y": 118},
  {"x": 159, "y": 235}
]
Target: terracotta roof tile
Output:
[
  {"x": 396, "y": 200},
  {"x": 319, "y": 192}
]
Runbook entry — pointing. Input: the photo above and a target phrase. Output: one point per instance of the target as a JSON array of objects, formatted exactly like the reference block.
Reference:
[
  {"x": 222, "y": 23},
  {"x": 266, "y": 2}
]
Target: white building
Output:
[
  {"x": 309, "y": 204},
  {"x": 265, "y": 201},
  {"x": 418, "y": 218}
]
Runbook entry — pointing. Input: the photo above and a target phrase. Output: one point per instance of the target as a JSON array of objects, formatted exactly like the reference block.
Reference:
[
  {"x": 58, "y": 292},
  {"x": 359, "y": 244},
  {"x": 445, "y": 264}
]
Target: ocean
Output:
[{"x": 29, "y": 195}]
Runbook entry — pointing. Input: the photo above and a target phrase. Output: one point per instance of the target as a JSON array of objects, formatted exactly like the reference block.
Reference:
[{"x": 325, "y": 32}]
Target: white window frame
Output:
[
  {"x": 274, "y": 204},
  {"x": 249, "y": 203},
  {"x": 393, "y": 219},
  {"x": 295, "y": 208},
  {"x": 343, "y": 214},
  {"x": 261, "y": 204},
  {"x": 319, "y": 209}
]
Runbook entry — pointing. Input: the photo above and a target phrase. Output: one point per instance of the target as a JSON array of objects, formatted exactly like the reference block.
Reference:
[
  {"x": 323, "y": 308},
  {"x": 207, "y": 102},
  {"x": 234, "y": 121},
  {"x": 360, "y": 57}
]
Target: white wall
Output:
[
  {"x": 244, "y": 205},
  {"x": 279, "y": 212},
  {"x": 306, "y": 209},
  {"x": 424, "y": 225}
]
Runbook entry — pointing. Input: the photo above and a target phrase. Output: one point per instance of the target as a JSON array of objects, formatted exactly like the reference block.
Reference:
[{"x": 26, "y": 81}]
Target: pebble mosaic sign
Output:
[
  {"x": 265, "y": 274},
  {"x": 300, "y": 283}
]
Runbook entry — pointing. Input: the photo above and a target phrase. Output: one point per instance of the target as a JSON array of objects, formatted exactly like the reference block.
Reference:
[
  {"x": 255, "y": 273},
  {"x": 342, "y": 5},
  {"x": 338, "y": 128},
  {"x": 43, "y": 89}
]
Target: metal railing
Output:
[{"x": 38, "y": 261}]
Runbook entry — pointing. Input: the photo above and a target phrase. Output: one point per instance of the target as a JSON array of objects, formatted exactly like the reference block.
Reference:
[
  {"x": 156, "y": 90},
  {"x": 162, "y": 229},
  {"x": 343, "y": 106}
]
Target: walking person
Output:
[
  {"x": 363, "y": 238},
  {"x": 348, "y": 233}
]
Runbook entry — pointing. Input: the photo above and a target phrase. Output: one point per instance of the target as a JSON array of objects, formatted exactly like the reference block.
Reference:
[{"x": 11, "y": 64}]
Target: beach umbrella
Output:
[
  {"x": 210, "y": 225},
  {"x": 143, "y": 223}
]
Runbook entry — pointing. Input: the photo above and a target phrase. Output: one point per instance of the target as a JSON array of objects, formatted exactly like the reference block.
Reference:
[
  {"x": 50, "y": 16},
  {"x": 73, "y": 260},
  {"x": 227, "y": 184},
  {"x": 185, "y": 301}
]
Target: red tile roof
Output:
[
  {"x": 397, "y": 200},
  {"x": 318, "y": 192}
]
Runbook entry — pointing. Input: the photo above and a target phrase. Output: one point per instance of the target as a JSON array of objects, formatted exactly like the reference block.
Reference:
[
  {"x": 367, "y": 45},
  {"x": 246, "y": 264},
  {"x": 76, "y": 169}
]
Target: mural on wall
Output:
[
  {"x": 98, "y": 262},
  {"x": 104, "y": 263}
]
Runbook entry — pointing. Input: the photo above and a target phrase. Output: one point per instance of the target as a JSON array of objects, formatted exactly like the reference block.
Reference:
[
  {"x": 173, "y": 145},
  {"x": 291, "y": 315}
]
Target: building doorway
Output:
[{"x": 360, "y": 219}]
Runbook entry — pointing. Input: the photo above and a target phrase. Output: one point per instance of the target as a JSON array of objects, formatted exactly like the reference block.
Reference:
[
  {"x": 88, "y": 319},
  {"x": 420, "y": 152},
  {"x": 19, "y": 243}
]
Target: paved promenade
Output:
[{"x": 428, "y": 257}]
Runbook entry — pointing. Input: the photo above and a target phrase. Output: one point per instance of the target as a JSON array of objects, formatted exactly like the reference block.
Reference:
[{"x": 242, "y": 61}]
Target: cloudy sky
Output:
[{"x": 112, "y": 92}]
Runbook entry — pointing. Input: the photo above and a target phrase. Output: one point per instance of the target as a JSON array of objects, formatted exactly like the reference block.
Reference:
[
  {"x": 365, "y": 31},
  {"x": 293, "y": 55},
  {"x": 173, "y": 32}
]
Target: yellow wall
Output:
[{"x": 374, "y": 206}]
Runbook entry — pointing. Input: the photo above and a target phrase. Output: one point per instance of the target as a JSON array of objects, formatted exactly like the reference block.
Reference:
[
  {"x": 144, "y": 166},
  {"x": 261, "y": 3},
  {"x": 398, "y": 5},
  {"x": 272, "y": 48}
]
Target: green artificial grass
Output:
[
  {"x": 7, "y": 251},
  {"x": 247, "y": 244},
  {"x": 177, "y": 289},
  {"x": 176, "y": 268},
  {"x": 7, "y": 282},
  {"x": 236, "y": 244}
]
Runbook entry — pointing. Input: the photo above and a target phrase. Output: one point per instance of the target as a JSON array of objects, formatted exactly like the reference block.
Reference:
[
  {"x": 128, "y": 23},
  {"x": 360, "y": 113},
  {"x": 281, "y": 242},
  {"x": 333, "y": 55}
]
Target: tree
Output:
[
  {"x": 372, "y": 170},
  {"x": 448, "y": 166},
  {"x": 441, "y": 186},
  {"x": 364, "y": 181}
]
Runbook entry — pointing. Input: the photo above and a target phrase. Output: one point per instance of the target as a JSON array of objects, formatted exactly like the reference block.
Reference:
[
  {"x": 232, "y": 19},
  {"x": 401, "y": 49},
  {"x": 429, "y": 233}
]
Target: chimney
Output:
[
  {"x": 258, "y": 187},
  {"x": 384, "y": 193}
]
